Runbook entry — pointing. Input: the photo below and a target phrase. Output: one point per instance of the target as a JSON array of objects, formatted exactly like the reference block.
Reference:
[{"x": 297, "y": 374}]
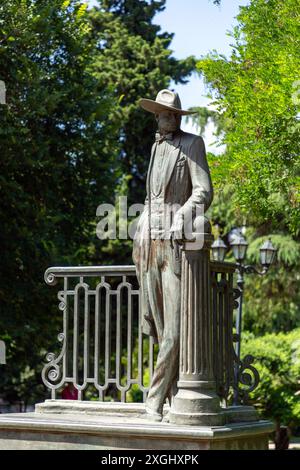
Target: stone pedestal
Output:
[
  {"x": 71, "y": 425},
  {"x": 196, "y": 402}
]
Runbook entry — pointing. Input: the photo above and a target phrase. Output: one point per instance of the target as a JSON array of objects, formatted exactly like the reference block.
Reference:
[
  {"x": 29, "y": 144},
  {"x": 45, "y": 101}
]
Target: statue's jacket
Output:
[{"x": 186, "y": 186}]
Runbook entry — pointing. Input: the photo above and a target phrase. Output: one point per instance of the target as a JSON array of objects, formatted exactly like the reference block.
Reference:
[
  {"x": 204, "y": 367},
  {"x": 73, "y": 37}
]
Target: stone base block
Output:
[
  {"x": 192, "y": 407},
  {"x": 88, "y": 426}
]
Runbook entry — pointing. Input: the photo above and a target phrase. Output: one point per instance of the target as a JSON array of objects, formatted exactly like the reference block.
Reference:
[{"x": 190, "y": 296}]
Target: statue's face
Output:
[{"x": 168, "y": 121}]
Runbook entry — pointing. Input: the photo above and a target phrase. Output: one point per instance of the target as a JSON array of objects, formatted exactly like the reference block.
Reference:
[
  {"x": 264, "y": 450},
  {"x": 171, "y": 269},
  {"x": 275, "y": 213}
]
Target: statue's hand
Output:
[{"x": 177, "y": 232}]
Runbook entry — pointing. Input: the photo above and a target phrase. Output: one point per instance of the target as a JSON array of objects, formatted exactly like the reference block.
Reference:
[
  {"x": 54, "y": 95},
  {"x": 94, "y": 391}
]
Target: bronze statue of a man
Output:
[{"x": 178, "y": 188}]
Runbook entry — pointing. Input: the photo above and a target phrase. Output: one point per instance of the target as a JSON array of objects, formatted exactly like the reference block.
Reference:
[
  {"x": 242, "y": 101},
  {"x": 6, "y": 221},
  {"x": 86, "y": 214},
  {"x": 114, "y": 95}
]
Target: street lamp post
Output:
[{"x": 239, "y": 247}]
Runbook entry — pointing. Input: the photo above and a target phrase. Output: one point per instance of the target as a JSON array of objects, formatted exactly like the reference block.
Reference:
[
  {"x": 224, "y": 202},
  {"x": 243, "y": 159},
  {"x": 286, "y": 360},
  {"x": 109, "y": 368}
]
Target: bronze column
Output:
[{"x": 196, "y": 401}]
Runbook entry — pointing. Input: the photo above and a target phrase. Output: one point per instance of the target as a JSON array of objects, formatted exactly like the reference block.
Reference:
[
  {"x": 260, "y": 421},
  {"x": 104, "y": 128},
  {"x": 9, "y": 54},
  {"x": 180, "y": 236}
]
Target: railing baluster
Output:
[
  {"x": 129, "y": 341},
  {"x": 75, "y": 336},
  {"x": 97, "y": 337},
  {"x": 107, "y": 338},
  {"x": 86, "y": 336},
  {"x": 103, "y": 324},
  {"x": 140, "y": 349},
  {"x": 118, "y": 340},
  {"x": 215, "y": 327},
  {"x": 230, "y": 328},
  {"x": 221, "y": 334},
  {"x": 227, "y": 333},
  {"x": 66, "y": 328}
]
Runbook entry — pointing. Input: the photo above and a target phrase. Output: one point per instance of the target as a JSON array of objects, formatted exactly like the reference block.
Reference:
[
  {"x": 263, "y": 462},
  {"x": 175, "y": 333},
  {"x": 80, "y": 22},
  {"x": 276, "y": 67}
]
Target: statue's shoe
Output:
[{"x": 152, "y": 415}]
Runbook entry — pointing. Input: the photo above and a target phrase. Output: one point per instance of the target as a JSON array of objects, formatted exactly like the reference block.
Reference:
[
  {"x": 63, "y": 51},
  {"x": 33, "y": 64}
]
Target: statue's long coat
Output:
[{"x": 188, "y": 184}]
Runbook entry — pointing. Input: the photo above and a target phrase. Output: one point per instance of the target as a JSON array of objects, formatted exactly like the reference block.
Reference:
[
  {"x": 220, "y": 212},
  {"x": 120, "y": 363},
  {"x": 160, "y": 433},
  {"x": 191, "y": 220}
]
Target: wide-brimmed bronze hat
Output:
[{"x": 165, "y": 100}]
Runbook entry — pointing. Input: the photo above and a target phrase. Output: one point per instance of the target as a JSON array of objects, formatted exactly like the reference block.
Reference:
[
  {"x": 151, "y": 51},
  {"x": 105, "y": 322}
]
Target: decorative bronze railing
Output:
[{"x": 104, "y": 353}]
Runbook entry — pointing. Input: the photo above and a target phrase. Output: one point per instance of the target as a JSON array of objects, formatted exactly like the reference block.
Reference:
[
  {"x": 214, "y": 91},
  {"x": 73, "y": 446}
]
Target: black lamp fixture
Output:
[
  {"x": 267, "y": 254},
  {"x": 218, "y": 250},
  {"x": 239, "y": 248}
]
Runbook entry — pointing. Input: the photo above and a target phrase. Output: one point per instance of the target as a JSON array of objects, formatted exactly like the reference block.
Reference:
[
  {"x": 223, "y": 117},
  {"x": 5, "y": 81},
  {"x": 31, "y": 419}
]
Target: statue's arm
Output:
[
  {"x": 141, "y": 231},
  {"x": 202, "y": 190}
]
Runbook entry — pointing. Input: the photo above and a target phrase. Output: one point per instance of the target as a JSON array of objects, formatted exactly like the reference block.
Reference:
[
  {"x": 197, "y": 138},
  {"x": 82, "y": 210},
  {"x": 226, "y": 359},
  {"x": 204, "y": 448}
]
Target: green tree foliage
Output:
[
  {"x": 257, "y": 92},
  {"x": 257, "y": 179},
  {"x": 203, "y": 116},
  {"x": 271, "y": 302},
  {"x": 135, "y": 60},
  {"x": 55, "y": 170},
  {"x": 137, "y": 16},
  {"x": 277, "y": 358}
]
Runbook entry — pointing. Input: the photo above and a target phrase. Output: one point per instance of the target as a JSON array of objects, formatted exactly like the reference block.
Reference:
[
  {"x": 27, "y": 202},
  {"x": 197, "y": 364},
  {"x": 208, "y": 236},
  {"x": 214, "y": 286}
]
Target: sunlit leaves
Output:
[
  {"x": 255, "y": 90},
  {"x": 277, "y": 358}
]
